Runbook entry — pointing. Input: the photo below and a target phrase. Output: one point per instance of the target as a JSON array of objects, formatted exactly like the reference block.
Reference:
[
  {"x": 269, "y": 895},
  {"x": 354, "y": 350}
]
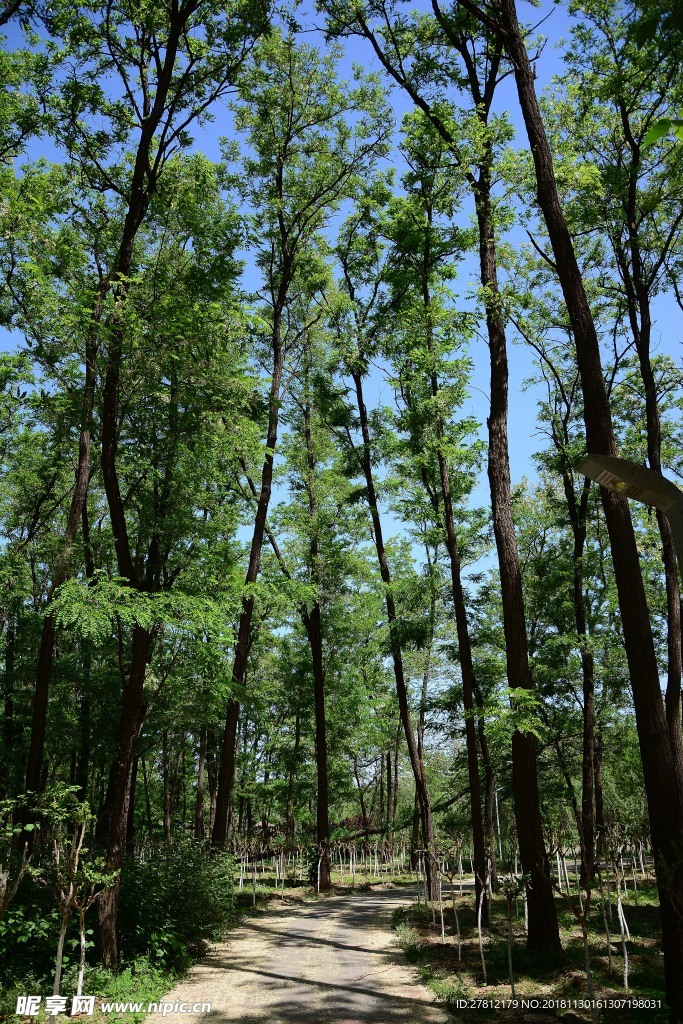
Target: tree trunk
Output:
[
  {"x": 212, "y": 774},
  {"x": 289, "y": 815},
  {"x": 107, "y": 905},
  {"x": 8, "y": 725},
  {"x": 361, "y": 797},
  {"x": 148, "y": 805},
  {"x": 130, "y": 825},
  {"x": 226, "y": 772},
  {"x": 396, "y": 653},
  {"x": 543, "y": 931},
  {"x": 312, "y": 622},
  {"x": 168, "y": 811},
  {"x": 658, "y": 734},
  {"x": 199, "y": 807},
  {"x": 34, "y": 758}
]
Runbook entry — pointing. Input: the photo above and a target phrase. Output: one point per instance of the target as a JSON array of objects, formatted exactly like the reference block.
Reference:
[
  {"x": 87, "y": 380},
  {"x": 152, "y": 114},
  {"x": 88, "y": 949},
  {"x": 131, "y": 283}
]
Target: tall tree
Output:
[
  {"x": 308, "y": 157},
  {"x": 412, "y": 68},
  {"x": 659, "y": 724}
]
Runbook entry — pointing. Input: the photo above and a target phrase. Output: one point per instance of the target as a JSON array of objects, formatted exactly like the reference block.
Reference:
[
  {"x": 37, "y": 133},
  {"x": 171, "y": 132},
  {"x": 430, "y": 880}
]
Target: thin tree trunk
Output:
[
  {"x": 107, "y": 904},
  {"x": 8, "y": 725},
  {"x": 199, "y": 806},
  {"x": 397, "y": 656},
  {"x": 226, "y": 772},
  {"x": 462, "y": 627},
  {"x": 322, "y": 819},
  {"x": 543, "y": 932},
  {"x": 148, "y": 805},
  {"x": 313, "y": 625},
  {"x": 130, "y": 825},
  {"x": 289, "y": 815},
  {"x": 212, "y": 774},
  {"x": 168, "y": 813},
  {"x": 34, "y": 760},
  {"x": 543, "y": 928}
]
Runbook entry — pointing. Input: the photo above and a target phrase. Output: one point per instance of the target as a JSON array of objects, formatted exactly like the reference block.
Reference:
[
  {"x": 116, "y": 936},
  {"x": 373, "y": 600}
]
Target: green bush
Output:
[
  {"x": 28, "y": 936},
  {"x": 173, "y": 902}
]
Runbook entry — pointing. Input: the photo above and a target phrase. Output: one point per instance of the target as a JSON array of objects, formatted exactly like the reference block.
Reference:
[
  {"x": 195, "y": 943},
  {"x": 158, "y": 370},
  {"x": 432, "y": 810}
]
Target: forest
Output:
[{"x": 309, "y": 318}]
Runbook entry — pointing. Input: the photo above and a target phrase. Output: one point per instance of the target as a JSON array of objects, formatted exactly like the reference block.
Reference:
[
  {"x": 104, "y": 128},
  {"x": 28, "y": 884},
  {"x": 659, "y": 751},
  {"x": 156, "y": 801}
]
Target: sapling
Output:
[
  {"x": 75, "y": 882},
  {"x": 582, "y": 913},
  {"x": 640, "y": 858},
  {"x": 605, "y": 922},
  {"x": 512, "y": 887},
  {"x": 451, "y": 875},
  {"x": 621, "y": 917},
  {"x": 443, "y": 927},
  {"x": 480, "y": 902}
]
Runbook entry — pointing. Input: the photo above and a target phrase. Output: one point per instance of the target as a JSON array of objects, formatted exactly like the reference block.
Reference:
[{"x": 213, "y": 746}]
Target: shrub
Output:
[{"x": 173, "y": 902}]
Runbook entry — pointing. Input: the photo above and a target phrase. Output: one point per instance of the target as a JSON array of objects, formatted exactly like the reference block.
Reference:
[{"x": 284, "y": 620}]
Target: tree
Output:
[
  {"x": 307, "y": 159},
  {"x": 659, "y": 732}
]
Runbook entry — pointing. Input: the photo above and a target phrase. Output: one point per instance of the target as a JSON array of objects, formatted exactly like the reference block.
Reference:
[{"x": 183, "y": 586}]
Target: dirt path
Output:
[{"x": 330, "y": 962}]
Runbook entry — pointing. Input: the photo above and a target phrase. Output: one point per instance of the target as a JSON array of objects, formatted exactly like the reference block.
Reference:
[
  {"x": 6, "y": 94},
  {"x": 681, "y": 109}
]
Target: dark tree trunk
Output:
[
  {"x": 599, "y": 798},
  {"x": 394, "y": 806},
  {"x": 148, "y": 804},
  {"x": 415, "y": 835},
  {"x": 8, "y": 725},
  {"x": 543, "y": 931},
  {"x": 639, "y": 287},
  {"x": 361, "y": 796},
  {"x": 84, "y": 750},
  {"x": 265, "y": 831},
  {"x": 107, "y": 905},
  {"x": 212, "y": 774},
  {"x": 382, "y": 816},
  {"x": 199, "y": 807},
  {"x": 168, "y": 812},
  {"x": 322, "y": 815},
  {"x": 397, "y": 657},
  {"x": 289, "y": 814},
  {"x": 226, "y": 772},
  {"x": 389, "y": 788},
  {"x": 34, "y": 759},
  {"x": 313, "y": 624},
  {"x": 658, "y": 731},
  {"x": 444, "y": 512},
  {"x": 130, "y": 828}
]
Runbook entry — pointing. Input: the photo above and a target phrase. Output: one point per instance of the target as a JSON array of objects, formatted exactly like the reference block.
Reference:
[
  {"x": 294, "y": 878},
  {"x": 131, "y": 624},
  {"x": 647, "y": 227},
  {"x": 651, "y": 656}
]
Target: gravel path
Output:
[{"x": 334, "y": 961}]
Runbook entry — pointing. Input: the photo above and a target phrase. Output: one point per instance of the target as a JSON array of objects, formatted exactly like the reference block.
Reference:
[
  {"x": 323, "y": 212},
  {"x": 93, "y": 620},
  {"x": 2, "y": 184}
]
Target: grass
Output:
[
  {"x": 138, "y": 982},
  {"x": 536, "y": 976}
]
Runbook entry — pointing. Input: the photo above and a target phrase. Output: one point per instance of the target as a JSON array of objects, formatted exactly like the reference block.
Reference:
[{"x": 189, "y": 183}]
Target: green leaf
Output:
[{"x": 657, "y": 131}]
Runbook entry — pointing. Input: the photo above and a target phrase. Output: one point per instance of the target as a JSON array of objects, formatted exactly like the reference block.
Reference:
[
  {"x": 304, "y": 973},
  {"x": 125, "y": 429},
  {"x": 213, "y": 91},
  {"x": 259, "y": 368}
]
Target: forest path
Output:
[{"x": 334, "y": 961}]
